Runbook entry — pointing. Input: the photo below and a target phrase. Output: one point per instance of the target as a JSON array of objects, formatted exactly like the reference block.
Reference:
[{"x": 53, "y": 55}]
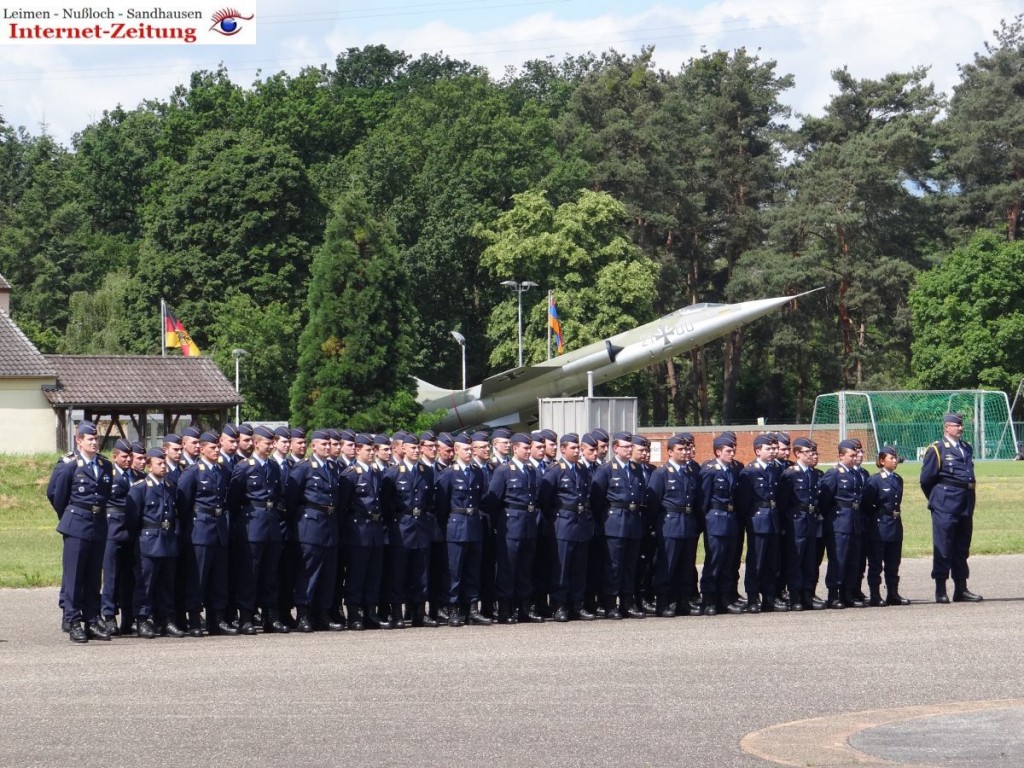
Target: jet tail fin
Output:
[{"x": 427, "y": 392}]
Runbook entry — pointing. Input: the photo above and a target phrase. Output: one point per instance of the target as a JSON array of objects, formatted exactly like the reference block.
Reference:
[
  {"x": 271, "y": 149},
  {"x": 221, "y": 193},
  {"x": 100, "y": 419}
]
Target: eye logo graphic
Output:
[{"x": 226, "y": 22}]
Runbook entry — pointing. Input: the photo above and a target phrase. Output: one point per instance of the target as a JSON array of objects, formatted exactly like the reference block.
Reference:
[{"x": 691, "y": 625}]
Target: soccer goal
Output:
[{"x": 911, "y": 420}]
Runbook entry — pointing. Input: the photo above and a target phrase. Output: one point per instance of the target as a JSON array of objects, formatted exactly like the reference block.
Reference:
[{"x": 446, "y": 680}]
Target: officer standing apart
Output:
[
  {"x": 947, "y": 479},
  {"x": 78, "y": 492}
]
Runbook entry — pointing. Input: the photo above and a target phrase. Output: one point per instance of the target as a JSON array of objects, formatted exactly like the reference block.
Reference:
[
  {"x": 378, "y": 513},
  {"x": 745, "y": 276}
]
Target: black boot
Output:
[
  {"x": 562, "y": 613},
  {"x": 628, "y": 607},
  {"x": 892, "y": 592},
  {"x": 355, "y": 618},
  {"x": 217, "y": 624},
  {"x": 396, "y": 616},
  {"x": 272, "y": 622},
  {"x": 505, "y": 614},
  {"x": 146, "y": 628},
  {"x": 527, "y": 613},
  {"x": 611, "y": 610},
  {"x": 455, "y": 617},
  {"x": 852, "y": 600},
  {"x": 578, "y": 611},
  {"x": 195, "y": 624},
  {"x": 420, "y": 617},
  {"x": 665, "y": 609},
  {"x": 373, "y": 620},
  {"x": 246, "y": 625},
  {"x": 303, "y": 624},
  {"x": 961, "y": 594},
  {"x": 876, "y": 596},
  {"x": 940, "y": 591},
  {"x": 77, "y": 633},
  {"x": 326, "y": 621},
  {"x": 474, "y": 617}
]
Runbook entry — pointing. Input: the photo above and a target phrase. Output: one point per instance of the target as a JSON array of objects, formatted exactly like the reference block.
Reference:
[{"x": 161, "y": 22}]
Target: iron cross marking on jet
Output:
[{"x": 662, "y": 334}]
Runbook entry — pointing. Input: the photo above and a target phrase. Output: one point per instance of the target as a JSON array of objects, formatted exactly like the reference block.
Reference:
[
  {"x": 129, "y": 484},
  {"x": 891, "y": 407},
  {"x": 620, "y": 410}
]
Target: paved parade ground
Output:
[{"x": 936, "y": 685}]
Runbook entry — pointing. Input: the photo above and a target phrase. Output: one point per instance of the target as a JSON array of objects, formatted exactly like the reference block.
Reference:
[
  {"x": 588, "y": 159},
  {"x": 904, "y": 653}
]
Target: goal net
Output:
[{"x": 911, "y": 420}]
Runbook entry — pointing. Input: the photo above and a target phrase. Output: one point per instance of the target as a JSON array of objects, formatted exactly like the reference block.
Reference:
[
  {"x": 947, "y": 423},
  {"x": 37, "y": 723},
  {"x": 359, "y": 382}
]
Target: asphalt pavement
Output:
[{"x": 813, "y": 688}]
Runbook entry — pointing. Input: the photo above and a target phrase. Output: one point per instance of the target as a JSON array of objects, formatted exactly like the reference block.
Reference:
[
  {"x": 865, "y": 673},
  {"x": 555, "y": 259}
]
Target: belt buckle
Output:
[
  {"x": 165, "y": 524},
  {"x": 632, "y": 506},
  {"x": 580, "y": 508},
  {"x": 529, "y": 508},
  {"x": 416, "y": 512},
  {"x": 329, "y": 509},
  {"x": 728, "y": 508}
]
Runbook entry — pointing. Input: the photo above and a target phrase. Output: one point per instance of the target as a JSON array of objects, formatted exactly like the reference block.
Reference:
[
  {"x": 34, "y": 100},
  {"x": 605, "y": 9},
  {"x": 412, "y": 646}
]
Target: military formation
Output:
[{"x": 251, "y": 529}]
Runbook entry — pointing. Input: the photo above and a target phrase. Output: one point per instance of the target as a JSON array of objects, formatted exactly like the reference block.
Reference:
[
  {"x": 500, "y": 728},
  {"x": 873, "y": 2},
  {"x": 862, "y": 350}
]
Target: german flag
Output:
[
  {"x": 555, "y": 324},
  {"x": 175, "y": 335}
]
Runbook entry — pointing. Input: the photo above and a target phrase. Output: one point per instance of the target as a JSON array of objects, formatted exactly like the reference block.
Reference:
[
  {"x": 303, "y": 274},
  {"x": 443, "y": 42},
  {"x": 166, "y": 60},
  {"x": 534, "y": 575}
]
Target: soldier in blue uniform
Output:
[
  {"x": 78, "y": 491},
  {"x": 363, "y": 538},
  {"x": 313, "y": 492},
  {"x": 616, "y": 496},
  {"x": 781, "y": 464},
  {"x": 437, "y": 579},
  {"x": 797, "y": 495},
  {"x": 245, "y": 447},
  {"x": 755, "y": 501},
  {"x": 511, "y": 501},
  {"x": 843, "y": 527},
  {"x": 407, "y": 501},
  {"x": 256, "y": 502},
  {"x": 947, "y": 479},
  {"x": 151, "y": 506},
  {"x": 202, "y": 510},
  {"x": 564, "y": 498},
  {"x": 880, "y": 502},
  {"x": 721, "y": 528},
  {"x": 190, "y": 446},
  {"x": 673, "y": 505},
  {"x": 645, "y": 598},
  {"x": 119, "y": 551},
  {"x": 459, "y": 491},
  {"x": 596, "y": 546}
]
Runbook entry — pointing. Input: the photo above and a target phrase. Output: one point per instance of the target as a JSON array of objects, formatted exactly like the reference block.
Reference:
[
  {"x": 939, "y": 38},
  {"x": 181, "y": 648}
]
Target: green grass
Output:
[{"x": 30, "y": 548}]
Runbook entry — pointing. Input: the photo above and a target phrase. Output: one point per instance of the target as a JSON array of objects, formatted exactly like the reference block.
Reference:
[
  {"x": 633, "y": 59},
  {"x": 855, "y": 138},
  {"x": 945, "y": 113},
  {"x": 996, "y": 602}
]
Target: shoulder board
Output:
[
  {"x": 616, "y": 465},
  {"x": 313, "y": 463},
  {"x": 220, "y": 459},
  {"x": 252, "y": 462},
  {"x": 138, "y": 482},
  {"x": 841, "y": 469},
  {"x": 149, "y": 482},
  {"x": 793, "y": 470},
  {"x": 670, "y": 468},
  {"x": 420, "y": 468},
  {"x": 359, "y": 470},
  {"x": 200, "y": 465},
  {"x": 401, "y": 468},
  {"x": 103, "y": 461},
  {"x": 563, "y": 465},
  {"x": 81, "y": 463}
]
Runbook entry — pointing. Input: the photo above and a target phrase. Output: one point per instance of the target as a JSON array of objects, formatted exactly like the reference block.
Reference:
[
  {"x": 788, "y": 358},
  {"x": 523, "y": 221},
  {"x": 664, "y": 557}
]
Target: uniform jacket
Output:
[
  {"x": 119, "y": 525},
  {"x": 718, "y": 483},
  {"x": 79, "y": 497},
  {"x": 202, "y": 503},
  {"x": 313, "y": 498},
  {"x": 564, "y": 498},
  {"x": 363, "y": 524},
  {"x": 755, "y": 498},
  {"x": 841, "y": 489},
  {"x": 455, "y": 489},
  {"x": 256, "y": 501},
  {"x": 947, "y": 477},
  {"x": 407, "y": 501},
  {"x": 617, "y": 498},
  {"x": 798, "y": 497},
  {"x": 673, "y": 500},
  {"x": 880, "y": 502},
  {"x": 151, "y": 504}
]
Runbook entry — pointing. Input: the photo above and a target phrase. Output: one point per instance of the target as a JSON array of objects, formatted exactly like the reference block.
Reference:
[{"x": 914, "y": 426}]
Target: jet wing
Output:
[{"x": 512, "y": 378}]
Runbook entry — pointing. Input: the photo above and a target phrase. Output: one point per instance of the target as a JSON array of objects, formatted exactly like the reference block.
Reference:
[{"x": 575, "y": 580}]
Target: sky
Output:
[{"x": 63, "y": 88}]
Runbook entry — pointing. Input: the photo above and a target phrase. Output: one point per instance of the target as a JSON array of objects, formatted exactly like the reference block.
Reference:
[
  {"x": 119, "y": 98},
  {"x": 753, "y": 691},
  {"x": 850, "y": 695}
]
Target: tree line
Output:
[{"x": 339, "y": 223}]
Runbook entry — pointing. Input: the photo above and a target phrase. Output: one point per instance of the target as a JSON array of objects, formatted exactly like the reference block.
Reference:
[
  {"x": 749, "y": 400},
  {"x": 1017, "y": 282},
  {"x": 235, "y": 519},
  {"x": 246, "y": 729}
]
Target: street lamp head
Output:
[
  {"x": 237, "y": 353},
  {"x": 530, "y": 284},
  {"x": 459, "y": 338},
  {"x": 510, "y": 283}
]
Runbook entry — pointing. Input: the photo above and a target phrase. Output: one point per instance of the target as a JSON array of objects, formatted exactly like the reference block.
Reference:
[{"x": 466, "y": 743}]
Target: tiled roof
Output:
[
  {"x": 98, "y": 380},
  {"x": 19, "y": 356},
  {"x": 4, "y": 283}
]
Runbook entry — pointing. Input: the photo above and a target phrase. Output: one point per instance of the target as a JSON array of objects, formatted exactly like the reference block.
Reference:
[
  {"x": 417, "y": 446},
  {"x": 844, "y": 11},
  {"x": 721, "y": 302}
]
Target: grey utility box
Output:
[{"x": 582, "y": 414}]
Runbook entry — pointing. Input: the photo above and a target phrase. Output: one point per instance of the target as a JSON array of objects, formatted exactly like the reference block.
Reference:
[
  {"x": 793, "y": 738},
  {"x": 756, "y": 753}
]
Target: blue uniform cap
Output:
[
  {"x": 319, "y": 434},
  {"x": 463, "y": 438},
  {"x": 642, "y": 441},
  {"x": 138, "y": 447},
  {"x": 208, "y": 437},
  {"x": 230, "y": 430},
  {"x": 481, "y": 437},
  {"x": 589, "y": 439},
  {"x": 348, "y": 435},
  {"x": 729, "y": 433},
  {"x": 848, "y": 445},
  {"x": 446, "y": 439},
  {"x": 550, "y": 434},
  {"x": 537, "y": 436},
  {"x": 686, "y": 437},
  {"x": 411, "y": 439},
  {"x": 600, "y": 433},
  {"x": 782, "y": 437},
  {"x": 953, "y": 418},
  {"x": 764, "y": 440},
  {"x": 428, "y": 436},
  {"x": 262, "y": 431},
  {"x": 622, "y": 437},
  {"x": 155, "y": 453},
  {"x": 283, "y": 432},
  {"x": 889, "y": 450},
  {"x": 245, "y": 429},
  {"x": 363, "y": 439},
  {"x": 123, "y": 445},
  {"x": 86, "y": 428},
  {"x": 501, "y": 433},
  {"x": 191, "y": 432},
  {"x": 570, "y": 437},
  {"x": 521, "y": 438},
  {"x": 172, "y": 438},
  {"x": 297, "y": 433},
  {"x": 723, "y": 441},
  {"x": 334, "y": 434},
  {"x": 675, "y": 440},
  {"x": 803, "y": 442},
  {"x": 381, "y": 440}
]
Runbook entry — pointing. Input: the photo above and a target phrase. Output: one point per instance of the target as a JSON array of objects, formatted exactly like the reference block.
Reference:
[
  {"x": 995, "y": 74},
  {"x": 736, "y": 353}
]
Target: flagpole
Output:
[
  {"x": 163, "y": 328},
  {"x": 551, "y": 293}
]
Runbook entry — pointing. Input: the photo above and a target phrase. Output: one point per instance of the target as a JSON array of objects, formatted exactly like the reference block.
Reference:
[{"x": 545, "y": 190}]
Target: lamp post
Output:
[
  {"x": 238, "y": 354},
  {"x": 461, "y": 340},
  {"x": 519, "y": 287}
]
